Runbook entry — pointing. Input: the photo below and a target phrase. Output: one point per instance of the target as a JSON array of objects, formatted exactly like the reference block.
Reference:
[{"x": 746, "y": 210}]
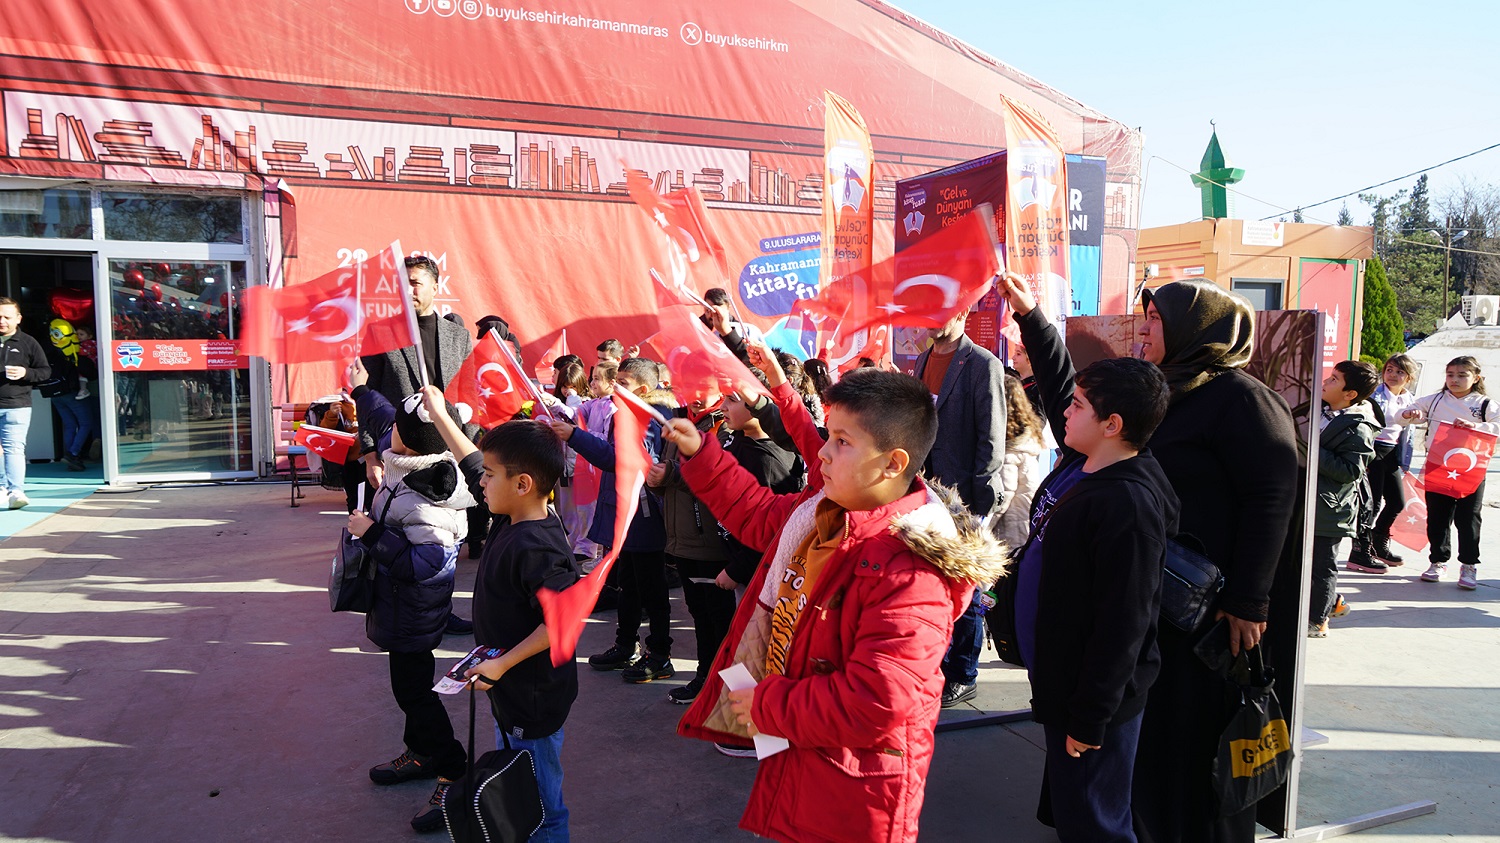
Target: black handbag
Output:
[
  {"x": 54, "y": 388},
  {"x": 1000, "y": 619},
  {"x": 1190, "y": 585},
  {"x": 497, "y": 800},
  {"x": 351, "y": 583},
  {"x": 1255, "y": 750}
]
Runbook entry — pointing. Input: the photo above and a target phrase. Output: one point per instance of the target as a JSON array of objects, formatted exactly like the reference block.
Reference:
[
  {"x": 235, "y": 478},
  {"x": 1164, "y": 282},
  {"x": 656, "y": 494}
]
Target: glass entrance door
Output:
[{"x": 181, "y": 386}]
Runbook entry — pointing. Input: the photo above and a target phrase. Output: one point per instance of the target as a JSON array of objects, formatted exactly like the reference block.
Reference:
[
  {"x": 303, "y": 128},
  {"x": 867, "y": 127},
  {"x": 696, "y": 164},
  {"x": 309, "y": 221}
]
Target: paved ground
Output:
[{"x": 169, "y": 671}]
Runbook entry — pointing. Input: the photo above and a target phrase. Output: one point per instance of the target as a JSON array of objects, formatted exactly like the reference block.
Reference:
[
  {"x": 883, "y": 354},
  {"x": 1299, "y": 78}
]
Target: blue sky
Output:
[{"x": 1313, "y": 98}]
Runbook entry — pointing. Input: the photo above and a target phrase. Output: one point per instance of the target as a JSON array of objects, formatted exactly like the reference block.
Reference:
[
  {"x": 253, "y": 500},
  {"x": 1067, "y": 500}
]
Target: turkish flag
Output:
[
  {"x": 491, "y": 383},
  {"x": 331, "y": 445},
  {"x": 683, "y": 217},
  {"x": 701, "y": 366},
  {"x": 1410, "y": 526},
  {"x": 923, "y": 285},
  {"x": 354, "y": 310},
  {"x": 565, "y": 611},
  {"x": 1457, "y": 460},
  {"x": 544, "y": 370}
]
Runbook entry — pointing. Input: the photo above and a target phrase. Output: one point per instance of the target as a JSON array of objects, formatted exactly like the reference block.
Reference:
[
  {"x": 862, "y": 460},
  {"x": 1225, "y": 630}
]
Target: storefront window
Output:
[
  {"x": 165, "y": 217},
  {"x": 45, "y": 213},
  {"x": 182, "y": 395}
]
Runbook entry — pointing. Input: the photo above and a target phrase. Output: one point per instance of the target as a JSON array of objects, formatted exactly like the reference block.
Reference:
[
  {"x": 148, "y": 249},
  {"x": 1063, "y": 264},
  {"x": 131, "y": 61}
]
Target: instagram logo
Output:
[{"x": 470, "y": 9}]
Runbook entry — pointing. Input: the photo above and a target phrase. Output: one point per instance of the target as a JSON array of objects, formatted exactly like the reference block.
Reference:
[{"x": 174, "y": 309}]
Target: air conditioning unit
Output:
[{"x": 1481, "y": 310}]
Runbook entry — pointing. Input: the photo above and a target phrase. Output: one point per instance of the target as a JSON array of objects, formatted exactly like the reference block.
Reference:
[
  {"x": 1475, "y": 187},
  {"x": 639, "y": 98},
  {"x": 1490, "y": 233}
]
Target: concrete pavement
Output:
[{"x": 169, "y": 670}]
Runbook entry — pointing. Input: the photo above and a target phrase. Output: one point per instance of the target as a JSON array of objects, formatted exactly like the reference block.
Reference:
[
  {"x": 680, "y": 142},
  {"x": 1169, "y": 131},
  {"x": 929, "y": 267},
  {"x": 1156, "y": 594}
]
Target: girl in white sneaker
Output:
[{"x": 1462, "y": 402}]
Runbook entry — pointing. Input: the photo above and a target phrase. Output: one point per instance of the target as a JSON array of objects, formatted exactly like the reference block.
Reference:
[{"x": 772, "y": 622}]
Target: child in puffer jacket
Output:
[{"x": 414, "y": 538}]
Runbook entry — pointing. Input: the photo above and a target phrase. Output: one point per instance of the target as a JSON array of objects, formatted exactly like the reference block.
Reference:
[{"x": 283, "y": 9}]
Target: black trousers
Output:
[
  {"x": 1386, "y": 493},
  {"x": 1463, "y": 513},
  {"x": 1325, "y": 576},
  {"x": 428, "y": 732},
  {"x": 712, "y": 607},
  {"x": 643, "y": 588}
]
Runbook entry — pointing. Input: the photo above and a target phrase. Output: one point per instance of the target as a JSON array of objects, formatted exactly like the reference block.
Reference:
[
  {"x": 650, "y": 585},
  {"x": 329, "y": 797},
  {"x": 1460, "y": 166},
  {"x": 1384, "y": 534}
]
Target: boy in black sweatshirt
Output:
[
  {"x": 514, "y": 469},
  {"x": 1088, "y": 588}
]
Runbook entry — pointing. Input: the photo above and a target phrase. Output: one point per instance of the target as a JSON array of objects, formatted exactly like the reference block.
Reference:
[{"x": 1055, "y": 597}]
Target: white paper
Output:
[
  {"x": 359, "y": 503},
  {"x": 737, "y": 678}
]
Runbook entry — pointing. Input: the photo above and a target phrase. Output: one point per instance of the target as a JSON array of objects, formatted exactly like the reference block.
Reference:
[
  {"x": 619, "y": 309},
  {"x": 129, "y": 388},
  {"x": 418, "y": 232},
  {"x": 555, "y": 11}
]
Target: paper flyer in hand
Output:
[
  {"x": 737, "y": 678},
  {"x": 453, "y": 681}
]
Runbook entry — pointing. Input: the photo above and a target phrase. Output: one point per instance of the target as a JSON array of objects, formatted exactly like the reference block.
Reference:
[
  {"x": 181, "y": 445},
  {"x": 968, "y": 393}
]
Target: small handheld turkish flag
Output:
[
  {"x": 565, "y": 611},
  {"x": 1457, "y": 460},
  {"x": 544, "y": 371},
  {"x": 331, "y": 445},
  {"x": 683, "y": 217},
  {"x": 490, "y": 383},
  {"x": 1410, "y": 527},
  {"x": 338, "y": 316}
]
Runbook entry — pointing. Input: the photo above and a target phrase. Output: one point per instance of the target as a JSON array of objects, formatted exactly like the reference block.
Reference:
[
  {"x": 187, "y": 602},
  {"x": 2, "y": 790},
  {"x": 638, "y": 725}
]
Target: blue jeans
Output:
[
  {"x": 547, "y": 755},
  {"x": 13, "y": 426},
  {"x": 1090, "y": 796},
  {"x": 961, "y": 664},
  {"x": 80, "y": 420}
]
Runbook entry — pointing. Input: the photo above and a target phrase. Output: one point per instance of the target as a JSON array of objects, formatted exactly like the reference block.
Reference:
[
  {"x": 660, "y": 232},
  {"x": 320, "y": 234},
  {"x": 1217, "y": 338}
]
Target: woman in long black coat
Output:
[{"x": 1229, "y": 447}]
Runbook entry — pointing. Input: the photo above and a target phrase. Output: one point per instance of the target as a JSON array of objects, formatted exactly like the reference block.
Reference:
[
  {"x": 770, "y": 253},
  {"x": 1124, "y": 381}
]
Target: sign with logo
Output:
[{"x": 178, "y": 355}]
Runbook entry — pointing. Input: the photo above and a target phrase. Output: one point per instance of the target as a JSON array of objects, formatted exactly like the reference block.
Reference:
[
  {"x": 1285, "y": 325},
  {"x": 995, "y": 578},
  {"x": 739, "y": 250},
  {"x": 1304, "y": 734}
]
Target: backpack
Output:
[{"x": 497, "y": 800}]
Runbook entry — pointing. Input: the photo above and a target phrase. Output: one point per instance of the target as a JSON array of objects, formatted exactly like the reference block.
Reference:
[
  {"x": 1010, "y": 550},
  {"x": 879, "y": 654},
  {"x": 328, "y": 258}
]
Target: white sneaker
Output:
[
  {"x": 1434, "y": 572},
  {"x": 18, "y": 500},
  {"x": 1468, "y": 577}
]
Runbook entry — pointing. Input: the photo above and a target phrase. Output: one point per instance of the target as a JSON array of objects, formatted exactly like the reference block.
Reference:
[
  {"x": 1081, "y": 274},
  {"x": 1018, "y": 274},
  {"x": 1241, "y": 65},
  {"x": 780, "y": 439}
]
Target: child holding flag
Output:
[
  {"x": 514, "y": 469},
  {"x": 1462, "y": 402},
  {"x": 846, "y": 621}
]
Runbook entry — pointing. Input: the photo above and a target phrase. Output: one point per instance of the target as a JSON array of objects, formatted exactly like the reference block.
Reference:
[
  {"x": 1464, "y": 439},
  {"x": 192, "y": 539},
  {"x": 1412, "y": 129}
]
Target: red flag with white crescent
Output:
[
  {"x": 699, "y": 363},
  {"x": 1457, "y": 460},
  {"x": 331, "y": 445},
  {"x": 1410, "y": 527},
  {"x": 354, "y": 310},
  {"x": 922, "y": 286},
  {"x": 490, "y": 383},
  {"x": 565, "y": 611},
  {"x": 683, "y": 218}
]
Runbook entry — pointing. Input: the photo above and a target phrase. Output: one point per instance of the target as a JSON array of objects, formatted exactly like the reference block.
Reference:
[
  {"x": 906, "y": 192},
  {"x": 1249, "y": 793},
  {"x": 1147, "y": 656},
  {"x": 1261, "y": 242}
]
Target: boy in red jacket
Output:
[{"x": 849, "y": 615}]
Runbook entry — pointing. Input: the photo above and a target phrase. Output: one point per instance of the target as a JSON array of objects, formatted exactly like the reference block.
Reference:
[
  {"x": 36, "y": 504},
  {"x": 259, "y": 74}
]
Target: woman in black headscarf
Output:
[{"x": 1229, "y": 448}]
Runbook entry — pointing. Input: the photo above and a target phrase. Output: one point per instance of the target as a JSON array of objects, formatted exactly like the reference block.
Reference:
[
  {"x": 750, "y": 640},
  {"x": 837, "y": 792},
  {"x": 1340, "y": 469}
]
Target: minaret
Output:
[{"x": 1213, "y": 178}]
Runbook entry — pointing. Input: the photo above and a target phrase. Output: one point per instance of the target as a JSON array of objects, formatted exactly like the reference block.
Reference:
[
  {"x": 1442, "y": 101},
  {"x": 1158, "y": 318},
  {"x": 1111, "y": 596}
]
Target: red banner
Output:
[
  {"x": 177, "y": 355},
  {"x": 1036, "y": 208},
  {"x": 1457, "y": 460}
]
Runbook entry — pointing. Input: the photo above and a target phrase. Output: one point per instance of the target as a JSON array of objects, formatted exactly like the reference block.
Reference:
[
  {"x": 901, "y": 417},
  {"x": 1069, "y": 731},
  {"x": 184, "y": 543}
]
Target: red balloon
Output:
[
  {"x": 162, "y": 270},
  {"x": 135, "y": 278},
  {"x": 155, "y": 293}
]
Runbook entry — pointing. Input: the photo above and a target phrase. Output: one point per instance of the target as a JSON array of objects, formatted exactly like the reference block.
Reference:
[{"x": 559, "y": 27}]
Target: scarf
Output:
[{"x": 1207, "y": 331}]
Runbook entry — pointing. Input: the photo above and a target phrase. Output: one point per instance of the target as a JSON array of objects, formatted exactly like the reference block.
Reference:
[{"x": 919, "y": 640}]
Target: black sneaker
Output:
[
  {"x": 687, "y": 693},
  {"x": 458, "y": 626},
  {"x": 959, "y": 692},
  {"x": 430, "y": 816},
  {"x": 649, "y": 667},
  {"x": 408, "y": 766},
  {"x": 476, "y": 550},
  {"x": 616, "y": 658}
]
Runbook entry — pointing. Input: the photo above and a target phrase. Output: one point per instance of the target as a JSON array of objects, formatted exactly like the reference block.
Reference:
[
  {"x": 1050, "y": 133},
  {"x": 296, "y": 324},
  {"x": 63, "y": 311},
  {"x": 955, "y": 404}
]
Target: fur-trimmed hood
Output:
[{"x": 944, "y": 533}]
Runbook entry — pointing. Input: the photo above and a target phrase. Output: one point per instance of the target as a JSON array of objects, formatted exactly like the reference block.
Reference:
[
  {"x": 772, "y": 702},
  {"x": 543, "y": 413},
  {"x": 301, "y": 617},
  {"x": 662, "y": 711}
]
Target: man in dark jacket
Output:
[
  {"x": 968, "y": 384},
  {"x": 394, "y": 374},
  {"x": 25, "y": 364}
]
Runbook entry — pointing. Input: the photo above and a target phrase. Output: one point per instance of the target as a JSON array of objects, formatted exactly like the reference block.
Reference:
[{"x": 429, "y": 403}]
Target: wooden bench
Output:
[{"x": 289, "y": 417}]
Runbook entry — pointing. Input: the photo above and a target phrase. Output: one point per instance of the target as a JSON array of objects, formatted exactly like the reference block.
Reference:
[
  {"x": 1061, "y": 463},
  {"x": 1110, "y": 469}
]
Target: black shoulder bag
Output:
[
  {"x": 497, "y": 800},
  {"x": 351, "y": 583}
]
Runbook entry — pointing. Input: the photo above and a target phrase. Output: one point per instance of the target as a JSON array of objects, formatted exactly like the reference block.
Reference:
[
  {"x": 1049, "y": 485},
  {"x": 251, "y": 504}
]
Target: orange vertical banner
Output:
[
  {"x": 1036, "y": 209},
  {"x": 848, "y": 215}
]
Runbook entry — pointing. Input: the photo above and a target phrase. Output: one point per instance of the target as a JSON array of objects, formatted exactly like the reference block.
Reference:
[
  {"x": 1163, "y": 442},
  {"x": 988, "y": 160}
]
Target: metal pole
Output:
[{"x": 1447, "y": 261}]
